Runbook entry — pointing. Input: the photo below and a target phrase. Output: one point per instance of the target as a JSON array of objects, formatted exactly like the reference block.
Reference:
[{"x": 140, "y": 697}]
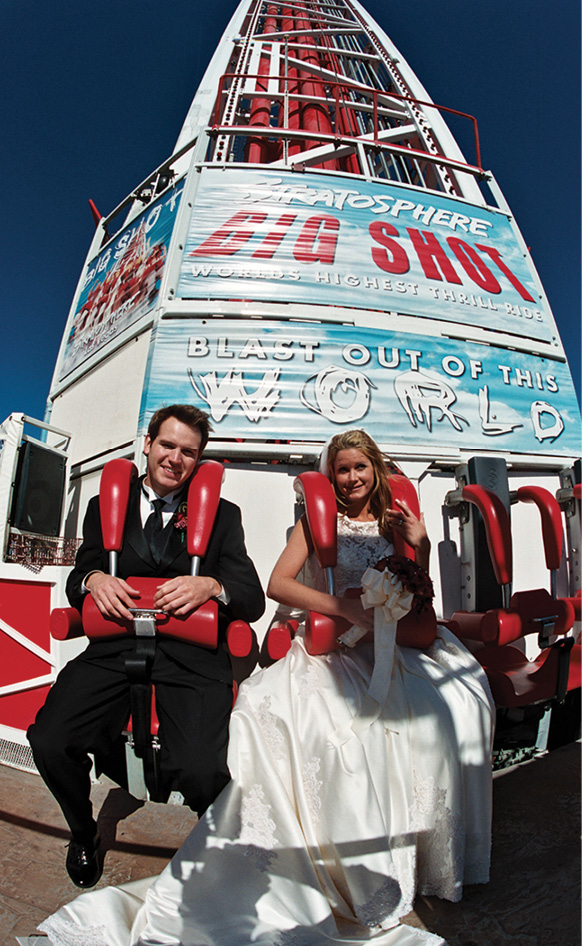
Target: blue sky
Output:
[{"x": 95, "y": 95}]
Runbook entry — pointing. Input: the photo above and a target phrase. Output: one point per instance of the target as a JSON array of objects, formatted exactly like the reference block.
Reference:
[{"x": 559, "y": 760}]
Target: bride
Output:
[{"x": 341, "y": 807}]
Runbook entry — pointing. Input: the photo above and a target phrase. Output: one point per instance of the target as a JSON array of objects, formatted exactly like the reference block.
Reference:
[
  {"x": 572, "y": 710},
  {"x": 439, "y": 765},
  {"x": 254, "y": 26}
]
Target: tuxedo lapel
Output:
[{"x": 176, "y": 542}]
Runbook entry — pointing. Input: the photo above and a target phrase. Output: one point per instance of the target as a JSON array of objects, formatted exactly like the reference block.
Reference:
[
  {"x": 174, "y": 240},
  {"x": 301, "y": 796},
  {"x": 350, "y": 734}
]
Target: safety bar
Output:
[
  {"x": 240, "y": 638},
  {"x": 200, "y": 627},
  {"x": 321, "y": 630},
  {"x": 551, "y": 517},
  {"x": 497, "y": 530},
  {"x": 401, "y": 488},
  {"x": 116, "y": 480},
  {"x": 203, "y": 496},
  {"x": 321, "y": 512},
  {"x": 278, "y": 638},
  {"x": 203, "y": 499}
]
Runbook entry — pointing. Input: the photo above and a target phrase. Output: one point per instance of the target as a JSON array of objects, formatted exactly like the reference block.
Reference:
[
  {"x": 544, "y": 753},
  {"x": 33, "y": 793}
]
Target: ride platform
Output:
[{"x": 531, "y": 900}]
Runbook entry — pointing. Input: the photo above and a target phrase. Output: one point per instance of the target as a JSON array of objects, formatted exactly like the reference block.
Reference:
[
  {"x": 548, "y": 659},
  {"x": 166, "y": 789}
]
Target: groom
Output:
[{"x": 88, "y": 706}]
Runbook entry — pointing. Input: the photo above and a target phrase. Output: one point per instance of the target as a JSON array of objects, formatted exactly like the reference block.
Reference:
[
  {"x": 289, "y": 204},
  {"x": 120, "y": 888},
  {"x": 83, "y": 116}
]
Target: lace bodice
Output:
[{"x": 359, "y": 545}]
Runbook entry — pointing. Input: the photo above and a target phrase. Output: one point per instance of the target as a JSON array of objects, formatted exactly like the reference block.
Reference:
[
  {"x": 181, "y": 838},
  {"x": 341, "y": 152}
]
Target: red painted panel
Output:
[
  {"x": 25, "y": 606},
  {"x": 17, "y": 663}
]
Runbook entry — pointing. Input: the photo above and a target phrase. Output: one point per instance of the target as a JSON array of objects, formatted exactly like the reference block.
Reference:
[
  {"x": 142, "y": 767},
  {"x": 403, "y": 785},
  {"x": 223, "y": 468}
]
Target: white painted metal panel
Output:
[{"x": 103, "y": 407}]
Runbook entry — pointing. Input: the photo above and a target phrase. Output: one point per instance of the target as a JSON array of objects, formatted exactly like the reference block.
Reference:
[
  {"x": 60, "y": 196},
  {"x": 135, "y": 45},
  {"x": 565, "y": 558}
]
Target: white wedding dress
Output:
[{"x": 339, "y": 812}]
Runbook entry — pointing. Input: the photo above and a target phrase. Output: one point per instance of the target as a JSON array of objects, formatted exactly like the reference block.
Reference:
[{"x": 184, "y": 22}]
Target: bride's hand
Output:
[
  {"x": 352, "y": 610},
  {"x": 412, "y": 530}
]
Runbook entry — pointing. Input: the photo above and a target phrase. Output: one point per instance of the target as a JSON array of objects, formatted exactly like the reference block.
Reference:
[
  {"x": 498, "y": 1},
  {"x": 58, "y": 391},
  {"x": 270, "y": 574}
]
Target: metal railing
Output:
[{"x": 377, "y": 109}]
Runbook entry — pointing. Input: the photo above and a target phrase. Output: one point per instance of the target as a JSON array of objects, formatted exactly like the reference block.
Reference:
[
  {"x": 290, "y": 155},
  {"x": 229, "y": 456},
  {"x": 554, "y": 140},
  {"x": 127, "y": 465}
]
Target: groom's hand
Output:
[
  {"x": 182, "y": 595},
  {"x": 113, "y": 596}
]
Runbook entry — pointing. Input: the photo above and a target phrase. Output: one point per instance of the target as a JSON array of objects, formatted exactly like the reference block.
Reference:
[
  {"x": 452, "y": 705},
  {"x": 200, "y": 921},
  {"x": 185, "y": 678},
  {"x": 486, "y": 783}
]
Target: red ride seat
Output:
[
  {"x": 200, "y": 627},
  {"x": 321, "y": 630},
  {"x": 515, "y": 679}
]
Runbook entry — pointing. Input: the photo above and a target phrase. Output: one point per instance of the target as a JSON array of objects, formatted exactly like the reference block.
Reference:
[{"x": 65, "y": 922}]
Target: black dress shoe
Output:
[{"x": 84, "y": 864}]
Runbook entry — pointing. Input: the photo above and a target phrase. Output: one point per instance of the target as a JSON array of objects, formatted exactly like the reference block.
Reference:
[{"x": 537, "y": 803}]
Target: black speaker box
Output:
[{"x": 39, "y": 488}]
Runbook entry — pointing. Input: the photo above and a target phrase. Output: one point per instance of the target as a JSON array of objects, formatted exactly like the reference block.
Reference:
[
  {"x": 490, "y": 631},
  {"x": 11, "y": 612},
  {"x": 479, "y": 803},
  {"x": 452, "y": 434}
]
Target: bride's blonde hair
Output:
[{"x": 381, "y": 496}]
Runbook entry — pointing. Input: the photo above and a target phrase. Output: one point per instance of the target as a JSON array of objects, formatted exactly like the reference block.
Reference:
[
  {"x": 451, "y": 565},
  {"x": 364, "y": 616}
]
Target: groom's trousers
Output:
[{"x": 88, "y": 707}]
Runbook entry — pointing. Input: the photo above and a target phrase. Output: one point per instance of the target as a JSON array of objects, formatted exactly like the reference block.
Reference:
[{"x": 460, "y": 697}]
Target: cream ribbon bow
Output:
[{"x": 382, "y": 591}]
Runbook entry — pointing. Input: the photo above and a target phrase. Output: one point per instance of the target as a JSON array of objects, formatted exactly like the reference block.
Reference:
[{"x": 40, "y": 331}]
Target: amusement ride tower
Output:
[{"x": 316, "y": 254}]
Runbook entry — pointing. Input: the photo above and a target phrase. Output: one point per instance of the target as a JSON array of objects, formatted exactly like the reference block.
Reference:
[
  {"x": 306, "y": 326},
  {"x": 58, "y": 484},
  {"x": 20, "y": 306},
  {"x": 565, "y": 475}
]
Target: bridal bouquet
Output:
[
  {"x": 414, "y": 579},
  {"x": 393, "y": 587},
  {"x": 397, "y": 585}
]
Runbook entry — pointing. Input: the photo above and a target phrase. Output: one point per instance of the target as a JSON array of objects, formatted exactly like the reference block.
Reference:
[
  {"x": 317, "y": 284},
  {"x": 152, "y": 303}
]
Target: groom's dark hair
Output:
[{"x": 186, "y": 414}]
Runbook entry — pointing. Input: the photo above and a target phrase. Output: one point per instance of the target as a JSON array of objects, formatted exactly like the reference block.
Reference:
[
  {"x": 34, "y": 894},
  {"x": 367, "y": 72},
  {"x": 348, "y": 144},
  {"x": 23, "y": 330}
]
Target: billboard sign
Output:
[
  {"x": 306, "y": 381},
  {"x": 122, "y": 283},
  {"x": 325, "y": 240}
]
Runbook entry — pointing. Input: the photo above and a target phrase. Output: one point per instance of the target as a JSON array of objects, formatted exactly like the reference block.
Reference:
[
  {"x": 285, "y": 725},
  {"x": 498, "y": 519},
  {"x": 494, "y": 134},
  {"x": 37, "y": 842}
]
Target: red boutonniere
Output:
[
  {"x": 181, "y": 520},
  {"x": 413, "y": 578}
]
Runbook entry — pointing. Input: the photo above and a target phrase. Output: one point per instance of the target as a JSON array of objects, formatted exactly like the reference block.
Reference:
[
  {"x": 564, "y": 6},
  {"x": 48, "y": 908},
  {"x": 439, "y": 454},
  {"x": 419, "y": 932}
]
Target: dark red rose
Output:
[{"x": 413, "y": 578}]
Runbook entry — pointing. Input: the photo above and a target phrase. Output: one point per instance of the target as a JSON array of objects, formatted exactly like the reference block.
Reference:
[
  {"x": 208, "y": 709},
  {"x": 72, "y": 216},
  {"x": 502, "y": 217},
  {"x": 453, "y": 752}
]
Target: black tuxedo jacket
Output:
[{"x": 226, "y": 560}]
